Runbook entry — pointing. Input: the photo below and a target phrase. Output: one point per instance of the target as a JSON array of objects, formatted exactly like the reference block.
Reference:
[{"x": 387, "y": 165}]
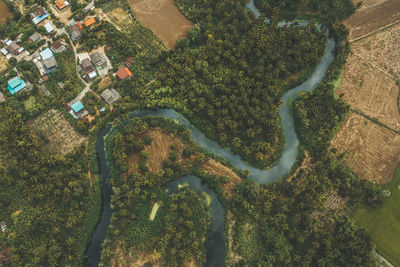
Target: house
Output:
[
  {"x": 57, "y": 47},
  {"x": 46, "y": 54},
  {"x": 61, "y": 4},
  {"x": 97, "y": 59},
  {"x": 39, "y": 15},
  {"x": 4, "y": 51},
  {"x": 110, "y": 96},
  {"x": 50, "y": 65},
  {"x": 77, "y": 110},
  {"x": 15, "y": 85},
  {"x": 35, "y": 37},
  {"x": 49, "y": 28},
  {"x": 87, "y": 66},
  {"x": 13, "y": 48},
  {"x": 75, "y": 31},
  {"x": 123, "y": 73},
  {"x": 89, "y": 22}
]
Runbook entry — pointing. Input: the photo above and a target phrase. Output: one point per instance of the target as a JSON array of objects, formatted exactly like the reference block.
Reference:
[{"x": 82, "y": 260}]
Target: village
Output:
[{"x": 51, "y": 40}]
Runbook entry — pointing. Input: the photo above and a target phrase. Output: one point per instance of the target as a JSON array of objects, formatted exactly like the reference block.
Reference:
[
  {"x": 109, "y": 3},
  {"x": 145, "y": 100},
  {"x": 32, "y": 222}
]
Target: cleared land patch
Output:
[
  {"x": 371, "y": 91},
  {"x": 372, "y": 18},
  {"x": 372, "y": 151},
  {"x": 381, "y": 50},
  {"x": 3, "y": 63},
  {"x": 383, "y": 222},
  {"x": 55, "y": 133},
  {"x": 163, "y": 18}
]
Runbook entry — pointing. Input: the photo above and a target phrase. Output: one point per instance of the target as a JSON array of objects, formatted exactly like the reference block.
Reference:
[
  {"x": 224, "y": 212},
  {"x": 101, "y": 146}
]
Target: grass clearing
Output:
[
  {"x": 383, "y": 222},
  {"x": 55, "y": 133},
  {"x": 29, "y": 104}
]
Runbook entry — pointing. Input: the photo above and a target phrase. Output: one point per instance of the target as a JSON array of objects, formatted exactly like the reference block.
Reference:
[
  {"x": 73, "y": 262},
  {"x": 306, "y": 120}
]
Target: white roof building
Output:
[{"x": 48, "y": 27}]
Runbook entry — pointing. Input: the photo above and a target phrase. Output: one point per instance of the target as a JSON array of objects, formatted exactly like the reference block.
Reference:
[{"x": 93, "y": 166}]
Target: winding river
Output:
[{"x": 215, "y": 245}]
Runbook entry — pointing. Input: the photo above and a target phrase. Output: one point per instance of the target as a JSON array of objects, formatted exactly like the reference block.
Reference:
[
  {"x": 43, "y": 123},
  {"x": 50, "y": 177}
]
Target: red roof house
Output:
[{"x": 123, "y": 73}]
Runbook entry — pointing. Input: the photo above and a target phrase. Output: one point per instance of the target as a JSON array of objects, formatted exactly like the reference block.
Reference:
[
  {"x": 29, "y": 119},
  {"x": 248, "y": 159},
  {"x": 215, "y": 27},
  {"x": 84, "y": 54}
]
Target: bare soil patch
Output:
[
  {"x": 137, "y": 259},
  {"x": 371, "y": 91},
  {"x": 54, "y": 133},
  {"x": 5, "y": 12},
  {"x": 381, "y": 49},
  {"x": 105, "y": 82},
  {"x": 372, "y": 151},
  {"x": 3, "y": 63},
  {"x": 217, "y": 168},
  {"x": 374, "y": 16},
  {"x": 62, "y": 15},
  {"x": 163, "y": 18}
]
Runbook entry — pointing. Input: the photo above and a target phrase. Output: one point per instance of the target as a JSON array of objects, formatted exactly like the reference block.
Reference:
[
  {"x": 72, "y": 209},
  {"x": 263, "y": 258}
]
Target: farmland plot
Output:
[
  {"x": 371, "y": 91},
  {"x": 371, "y": 17},
  {"x": 372, "y": 151}
]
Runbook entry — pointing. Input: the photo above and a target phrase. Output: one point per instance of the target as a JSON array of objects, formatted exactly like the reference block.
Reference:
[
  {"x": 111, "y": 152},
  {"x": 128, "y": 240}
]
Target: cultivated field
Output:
[
  {"x": 371, "y": 91},
  {"x": 372, "y": 16},
  {"x": 55, "y": 133},
  {"x": 372, "y": 151},
  {"x": 217, "y": 168},
  {"x": 163, "y": 18},
  {"x": 381, "y": 49},
  {"x": 382, "y": 222}
]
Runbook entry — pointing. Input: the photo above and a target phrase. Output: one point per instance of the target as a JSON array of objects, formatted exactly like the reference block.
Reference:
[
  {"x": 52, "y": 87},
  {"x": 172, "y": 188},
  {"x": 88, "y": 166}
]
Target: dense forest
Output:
[
  {"x": 45, "y": 200},
  {"x": 326, "y": 9},
  {"x": 231, "y": 72}
]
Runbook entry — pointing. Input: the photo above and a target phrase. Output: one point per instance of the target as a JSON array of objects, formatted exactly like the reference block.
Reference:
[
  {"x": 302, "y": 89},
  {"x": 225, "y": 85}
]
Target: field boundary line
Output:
[
  {"x": 375, "y": 31},
  {"x": 376, "y": 67},
  {"x": 374, "y": 120}
]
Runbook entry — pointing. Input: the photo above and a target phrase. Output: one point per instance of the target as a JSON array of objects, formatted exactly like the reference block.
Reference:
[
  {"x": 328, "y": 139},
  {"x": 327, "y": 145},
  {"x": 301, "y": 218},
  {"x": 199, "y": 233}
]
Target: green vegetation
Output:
[
  {"x": 383, "y": 222},
  {"x": 46, "y": 201},
  {"x": 178, "y": 231},
  {"x": 289, "y": 9}
]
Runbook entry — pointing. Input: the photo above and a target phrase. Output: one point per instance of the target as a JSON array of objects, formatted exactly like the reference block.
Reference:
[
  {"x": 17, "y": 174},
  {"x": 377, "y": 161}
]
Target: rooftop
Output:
[
  {"x": 48, "y": 27},
  {"x": 89, "y": 22},
  {"x": 15, "y": 85},
  {"x": 61, "y": 4},
  {"x": 123, "y": 73},
  {"x": 50, "y": 63},
  {"x": 35, "y": 37},
  {"x": 77, "y": 106},
  {"x": 46, "y": 54}
]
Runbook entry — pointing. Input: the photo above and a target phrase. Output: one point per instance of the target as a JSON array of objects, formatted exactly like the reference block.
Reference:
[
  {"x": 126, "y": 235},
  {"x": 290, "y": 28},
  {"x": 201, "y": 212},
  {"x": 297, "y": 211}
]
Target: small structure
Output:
[
  {"x": 2, "y": 98},
  {"x": 61, "y": 4},
  {"x": 75, "y": 31},
  {"x": 4, "y": 51},
  {"x": 50, "y": 65},
  {"x": 13, "y": 48},
  {"x": 129, "y": 61},
  {"x": 44, "y": 90},
  {"x": 89, "y": 22},
  {"x": 39, "y": 15},
  {"x": 48, "y": 27},
  {"x": 35, "y": 37},
  {"x": 87, "y": 66},
  {"x": 3, "y": 226},
  {"x": 110, "y": 96},
  {"x": 46, "y": 54},
  {"x": 57, "y": 47},
  {"x": 123, "y": 73},
  {"x": 78, "y": 110},
  {"x": 97, "y": 59},
  {"x": 15, "y": 85}
]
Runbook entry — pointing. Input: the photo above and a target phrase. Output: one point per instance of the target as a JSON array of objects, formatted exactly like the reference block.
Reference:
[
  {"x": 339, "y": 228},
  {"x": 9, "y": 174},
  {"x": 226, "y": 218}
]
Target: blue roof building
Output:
[
  {"x": 15, "y": 85},
  {"x": 77, "y": 106},
  {"x": 46, "y": 54}
]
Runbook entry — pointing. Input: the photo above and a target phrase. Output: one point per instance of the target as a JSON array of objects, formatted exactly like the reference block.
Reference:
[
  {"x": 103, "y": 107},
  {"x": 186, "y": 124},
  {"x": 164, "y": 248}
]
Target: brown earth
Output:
[
  {"x": 217, "y": 168},
  {"x": 105, "y": 82},
  {"x": 139, "y": 259},
  {"x": 234, "y": 258},
  {"x": 163, "y": 18},
  {"x": 5, "y": 12},
  {"x": 381, "y": 50},
  {"x": 371, "y": 91},
  {"x": 160, "y": 148},
  {"x": 3, "y": 63},
  {"x": 372, "y": 151},
  {"x": 371, "y": 17},
  {"x": 55, "y": 133}
]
